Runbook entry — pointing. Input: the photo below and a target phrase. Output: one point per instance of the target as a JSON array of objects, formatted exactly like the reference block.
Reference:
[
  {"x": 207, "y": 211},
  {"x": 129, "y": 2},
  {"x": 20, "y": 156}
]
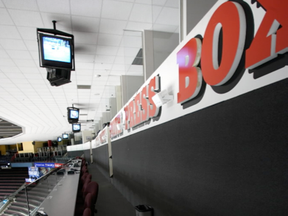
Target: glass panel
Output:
[{"x": 28, "y": 198}]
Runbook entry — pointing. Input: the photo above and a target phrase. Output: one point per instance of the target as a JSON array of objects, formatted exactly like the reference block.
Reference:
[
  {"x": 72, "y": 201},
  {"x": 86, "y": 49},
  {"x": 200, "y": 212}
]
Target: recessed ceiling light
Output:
[{"x": 83, "y": 86}]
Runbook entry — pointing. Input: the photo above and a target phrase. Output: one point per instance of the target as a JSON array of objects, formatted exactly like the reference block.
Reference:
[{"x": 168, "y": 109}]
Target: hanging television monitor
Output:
[
  {"x": 76, "y": 127},
  {"x": 73, "y": 114},
  {"x": 56, "y": 49},
  {"x": 65, "y": 136}
]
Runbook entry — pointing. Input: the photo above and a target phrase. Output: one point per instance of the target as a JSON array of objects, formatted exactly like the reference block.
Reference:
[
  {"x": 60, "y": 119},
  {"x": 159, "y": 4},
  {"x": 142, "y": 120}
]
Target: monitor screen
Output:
[
  {"x": 56, "y": 49},
  {"x": 59, "y": 139},
  {"x": 76, "y": 127},
  {"x": 74, "y": 114},
  {"x": 65, "y": 136}
]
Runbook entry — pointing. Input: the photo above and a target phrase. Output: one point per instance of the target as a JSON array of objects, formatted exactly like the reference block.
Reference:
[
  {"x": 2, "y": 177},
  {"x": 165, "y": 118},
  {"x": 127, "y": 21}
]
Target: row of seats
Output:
[
  {"x": 11, "y": 180},
  {"x": 87, "y": 193},
  {"x": 40, "y": 156}
]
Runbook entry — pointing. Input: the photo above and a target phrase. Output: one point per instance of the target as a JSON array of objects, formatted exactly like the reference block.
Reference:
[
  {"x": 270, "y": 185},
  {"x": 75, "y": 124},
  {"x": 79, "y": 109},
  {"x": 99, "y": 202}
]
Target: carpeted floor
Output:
[{"x": 110, "y": 201}]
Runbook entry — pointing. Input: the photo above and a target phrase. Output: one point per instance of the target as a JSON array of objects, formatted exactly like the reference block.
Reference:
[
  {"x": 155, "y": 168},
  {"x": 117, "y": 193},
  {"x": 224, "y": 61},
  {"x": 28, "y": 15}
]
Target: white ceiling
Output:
[{"x": 26, "y": 96}]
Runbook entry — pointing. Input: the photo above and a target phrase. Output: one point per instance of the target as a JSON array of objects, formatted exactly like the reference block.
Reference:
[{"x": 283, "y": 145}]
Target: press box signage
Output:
[{"x": 229, "y": 46}]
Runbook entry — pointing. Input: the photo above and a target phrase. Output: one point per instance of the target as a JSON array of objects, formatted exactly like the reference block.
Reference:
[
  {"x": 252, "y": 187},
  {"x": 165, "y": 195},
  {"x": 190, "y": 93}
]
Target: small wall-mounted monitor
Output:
[
  {"x": 76, "y": 127},
  {"x": 59, "y": 139},
  {"x": 73, "y": 114},
  {"x": 56, "y": 49},
  {"x": 65, "y": 136}
]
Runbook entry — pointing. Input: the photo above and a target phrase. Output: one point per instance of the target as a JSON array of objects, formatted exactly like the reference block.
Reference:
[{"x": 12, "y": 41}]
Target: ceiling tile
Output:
[
  {"x": 159, "y": 2},
  {"x": 118, "y": 67},
  {"x": 85, "y": 24},
  {"x": 106, "y": 50},
  {"x": 26, "y": 18},
  {"x": 85, "y": 58},
  {"x": 55, "y": 6},
  {"x": 119, "y": 60},
  {"x": 10, "y": 32},
  {"x": 102, "y": 66},
  {"x": 5, "y": 82},
  {"x": 8, "y": 63},
  {"x": 102, "y": 58},
  {"x": 166, "y": 28},
  {"x": 19, "y": 54},
  {"x": 22, "y": 5},
  {"x": 24, "y": 63},
  {"x": 149, "y": 2},
  {"x": 131, "y": 51},
  {"x": 141, "y": 13},
  {"x": 10, "y": 69},
  {"x": 27, "y": 33},
  {"x": 131, "y": 41},
  {"x": 84, "y": 78},
  {"x": 3, "y": 54},
  {"x": 112, "y": 26},
  {"x": 109, "y": 39},
  {"x": 84, "y": 49},
  {"x": 12, "y": 44},
  {"x": 117, "y": 73},
  {"x": 138, "y": 26},
  {"x": 31, "y": 45},
  {"x": 84, "y": 65},
  {"x": 168, "y": 16},
  {"x": 85, "y": 38},
  {"x": 5, "y": 17},
  {"x": 172, "y": 3},
  {"x": 30, "y": 70},
  {"x": 116, "y": 10},
  {"x": 156, "y": 10},
  {"x": 90, "y": 8},
  {"x": 84, "y": 72},
  {"x": 30, "y": 76},
  {"x": 63, "y": 21}
]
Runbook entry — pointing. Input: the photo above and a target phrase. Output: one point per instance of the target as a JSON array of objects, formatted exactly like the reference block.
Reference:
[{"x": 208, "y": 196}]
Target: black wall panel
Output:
[
  {"x": 227, "y": 159},
  {"x": 100, "y": 157},
  {"x": 75, "y": 153}
]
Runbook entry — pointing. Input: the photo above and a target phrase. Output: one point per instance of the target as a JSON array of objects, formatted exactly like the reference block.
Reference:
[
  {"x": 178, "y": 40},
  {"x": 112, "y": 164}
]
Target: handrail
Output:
[{"x": 11, "y": 198}]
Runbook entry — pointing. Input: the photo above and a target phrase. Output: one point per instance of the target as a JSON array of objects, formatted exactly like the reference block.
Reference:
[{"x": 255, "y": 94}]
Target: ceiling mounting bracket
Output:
[{"x": 54, "y": 24}]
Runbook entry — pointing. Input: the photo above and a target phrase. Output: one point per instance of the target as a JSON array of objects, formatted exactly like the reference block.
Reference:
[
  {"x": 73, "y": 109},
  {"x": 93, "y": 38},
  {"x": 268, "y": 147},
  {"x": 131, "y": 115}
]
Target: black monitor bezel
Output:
[
  {"x": 75, "y": 131},
  {"x": 60, "y": 35},
  {"x": 72, "y": 120}
]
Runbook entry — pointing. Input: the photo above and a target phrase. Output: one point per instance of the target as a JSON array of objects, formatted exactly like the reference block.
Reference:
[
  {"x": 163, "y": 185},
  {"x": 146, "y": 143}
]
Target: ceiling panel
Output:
[
  {"x": 21, "y": 5},
  {"x": 107, "y": 39},
  {"x": 5, "y": 18},
  {"x": 116, "y": 10},
  {"x": 9, "y": 32},
  {"x": 12, "y": 44},
  {"x": 26, "y": 18},
  {"x": 85, "y": 24},
  {"x": 110, "y": 26},
  {"x": 141, "y": 13},
  {"x": 94, "y": 9},
  {"x": 55, "y": 6}
]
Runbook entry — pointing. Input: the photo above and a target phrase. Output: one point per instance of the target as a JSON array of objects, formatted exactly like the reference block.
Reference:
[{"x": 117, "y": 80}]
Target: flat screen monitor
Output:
[
  {"x": 76, "y": 127},
  {"x": 56, "y": 50},
  {"x": 73, "y": 114},
  {"x": 59, "y": 139},
  {"x": 65, "y": 136}
]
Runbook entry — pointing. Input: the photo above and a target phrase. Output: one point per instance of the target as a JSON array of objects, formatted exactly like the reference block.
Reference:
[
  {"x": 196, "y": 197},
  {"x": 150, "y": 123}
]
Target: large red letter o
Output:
[{"x": 229, "y": 17}]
